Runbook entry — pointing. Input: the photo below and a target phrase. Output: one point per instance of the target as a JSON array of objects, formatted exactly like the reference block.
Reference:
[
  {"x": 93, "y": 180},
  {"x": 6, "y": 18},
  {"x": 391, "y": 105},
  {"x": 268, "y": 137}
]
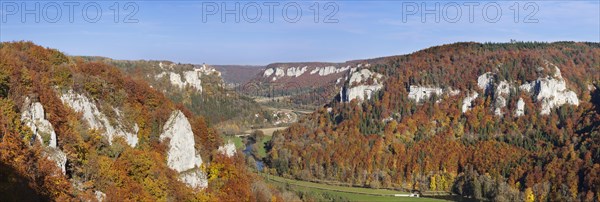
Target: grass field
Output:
[
  {"x": 350, "y": 193},
  {"x": 239, "y": 145},
  {"x": 261, "y": 146},
  {"x": 237, "y": 141}
]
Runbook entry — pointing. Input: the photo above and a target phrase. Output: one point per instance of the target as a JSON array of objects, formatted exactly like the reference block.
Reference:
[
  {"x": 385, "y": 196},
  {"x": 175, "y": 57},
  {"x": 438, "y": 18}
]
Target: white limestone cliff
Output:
[
  {"x": 359, "y": 88},
  {"x": 502, "y": 91},
  {"x": 59, "y": 157},
  {"x": 279, "y": 72},
  {"x": 228, "y": 149},
  {"x": 207, "y": 70},
  {"x": 194, "y": 178},
  {"x": 420, "y": 93},
  {"x": 362, "y": 92},
  {"x": 467, "y": 102},
  {"x": 191, "y": 78},
  {"x": 96, "y": 119},
  {"x": 551, "y": 92},
  {"x": 268, "y": 72},
  {"x": 296, "y": 72},
  {"x": 520, "y": 111},
  {"x": 485, "y": 81},
  {"x": 34, "y": 117},
  {"x": 100, "y": 196},
  {"x": 182, "y": 156}
]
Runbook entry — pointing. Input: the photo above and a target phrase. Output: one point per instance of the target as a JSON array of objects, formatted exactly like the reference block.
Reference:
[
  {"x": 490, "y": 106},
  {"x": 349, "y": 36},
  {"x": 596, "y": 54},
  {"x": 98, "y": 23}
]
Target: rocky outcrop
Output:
[
  {"x": 551, "y": 92},
  {"x": 361, "y": 92},
  {"x": 420, "y": 93},
  {"x": 191, "y": 78},
  {"x": 34, "y": 117},
  {"x": 468, "y": 101},
  {"x": 268, "y": 72},
  {"x": 324, "y": 71},
  {"x": 359, "y": 86},
  {"x": 485, "y": 81},
  {"x": 520, "y": 111},
  {"x": 207, "y": 70},
  {"x": 501, "y": 91},
  {"x": 278, "y": 71},
  {"x": 96, "y": 119},
  {"x": 100, "y": 196},
  {"x": 194, "y": 178},
  {"x": 182, "y": 156},
  {"x": 296, "y": 71},
  {"x": 228, "y": 149}
]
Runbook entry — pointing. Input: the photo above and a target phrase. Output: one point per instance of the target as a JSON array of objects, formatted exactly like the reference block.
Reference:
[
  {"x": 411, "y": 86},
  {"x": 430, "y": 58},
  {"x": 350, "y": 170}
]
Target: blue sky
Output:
[{"x": 176, "y": 31}]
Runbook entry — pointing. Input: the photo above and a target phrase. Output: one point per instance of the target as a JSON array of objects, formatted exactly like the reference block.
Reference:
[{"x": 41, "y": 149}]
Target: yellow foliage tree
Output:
[
  {"x": 432, "y": 184},
  {"x": 529, "y": 197}
]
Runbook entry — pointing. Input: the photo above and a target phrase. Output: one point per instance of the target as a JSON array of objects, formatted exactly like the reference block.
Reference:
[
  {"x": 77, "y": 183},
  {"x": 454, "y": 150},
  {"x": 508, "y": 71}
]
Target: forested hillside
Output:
[
  {"x": 505, "y": 122},
  {"x": 199, "y": 88},
  {"x": 75, "y": 130}
]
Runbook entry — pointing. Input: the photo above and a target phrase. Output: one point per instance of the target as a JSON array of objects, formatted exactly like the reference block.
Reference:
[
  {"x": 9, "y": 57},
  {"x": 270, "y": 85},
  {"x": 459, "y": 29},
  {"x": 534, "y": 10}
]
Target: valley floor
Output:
[{"x": 349, "y": 193}]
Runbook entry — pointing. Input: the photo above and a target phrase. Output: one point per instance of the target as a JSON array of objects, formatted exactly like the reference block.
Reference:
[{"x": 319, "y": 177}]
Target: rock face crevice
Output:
[
  {"x": 501, "y": 90},
  {"x": 182, "y": 156},
  {"x": 96, "y": 119},
  {"x": 34, "y": 117}
]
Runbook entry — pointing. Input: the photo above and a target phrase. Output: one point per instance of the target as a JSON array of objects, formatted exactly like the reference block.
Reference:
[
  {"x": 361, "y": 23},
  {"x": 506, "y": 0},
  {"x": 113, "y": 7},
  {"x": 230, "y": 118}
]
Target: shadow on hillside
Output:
[{"x": 14, "y": 187}]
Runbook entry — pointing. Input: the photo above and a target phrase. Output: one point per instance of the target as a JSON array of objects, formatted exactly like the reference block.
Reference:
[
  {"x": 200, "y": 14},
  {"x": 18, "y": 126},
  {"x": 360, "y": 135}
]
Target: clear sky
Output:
[{"x": 195, "y": 31}]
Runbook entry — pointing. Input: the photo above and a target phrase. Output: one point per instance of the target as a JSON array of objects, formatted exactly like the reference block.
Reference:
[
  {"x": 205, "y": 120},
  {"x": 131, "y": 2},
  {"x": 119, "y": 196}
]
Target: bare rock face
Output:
[
  {"x": 268, "y": 72},
  {"x": 97, "y": 119},
  {"x": 420, "y": 93},
  {"x": 296, "y": 71},
  {"x": 502, "y": 92},
  {"x": 100, "y": 196},
  {"x": 279, "y": 71},
  {"x": 485, "y": 81},
  {"x": 467, "y": 102},
  {"x": 194, "y": 178},
  {"x": 228, "y": 149},
  {"x": 182, "y": 156},
  {"x": 34, "y": 117},
  {"x": 520, "y": 111},
  {"x": 551, "y": 92},
  {"x": 191, "y": 78},
  {"x": 359, "y": 88}
]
